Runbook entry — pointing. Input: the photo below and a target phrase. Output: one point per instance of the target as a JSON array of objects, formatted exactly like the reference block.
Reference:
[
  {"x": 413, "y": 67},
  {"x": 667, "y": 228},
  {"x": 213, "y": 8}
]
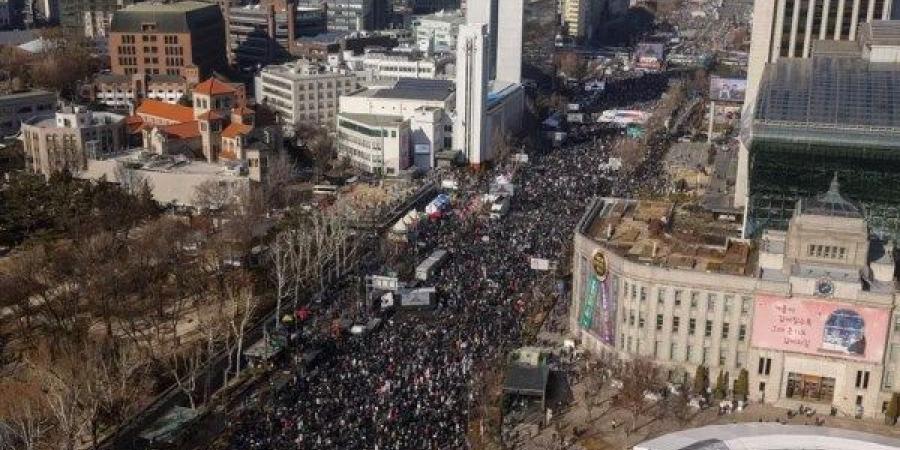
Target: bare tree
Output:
[
  {"x": 24, "y": 421},
  {"x": 639, "y": 378},
  {"x": 280, "y": 257},
  {"x": 243, "y": 306}
]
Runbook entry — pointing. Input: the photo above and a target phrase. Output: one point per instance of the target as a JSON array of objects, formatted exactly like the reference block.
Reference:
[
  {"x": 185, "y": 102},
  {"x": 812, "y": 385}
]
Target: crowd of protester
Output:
[{"x": 411, "y": 383}]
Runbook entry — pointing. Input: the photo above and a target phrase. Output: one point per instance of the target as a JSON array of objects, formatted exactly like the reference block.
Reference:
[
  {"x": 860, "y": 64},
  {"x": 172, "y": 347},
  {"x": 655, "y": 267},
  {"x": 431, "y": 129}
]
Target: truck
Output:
[{"x": 426, "y": 269}]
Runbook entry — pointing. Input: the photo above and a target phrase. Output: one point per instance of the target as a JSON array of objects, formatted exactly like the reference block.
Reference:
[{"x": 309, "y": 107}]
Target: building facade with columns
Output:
[{"x": 808, "y": 312}]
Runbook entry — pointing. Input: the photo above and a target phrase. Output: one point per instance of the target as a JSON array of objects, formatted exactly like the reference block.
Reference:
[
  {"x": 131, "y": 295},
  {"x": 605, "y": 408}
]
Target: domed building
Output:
[{"x": 808, "y": 312}]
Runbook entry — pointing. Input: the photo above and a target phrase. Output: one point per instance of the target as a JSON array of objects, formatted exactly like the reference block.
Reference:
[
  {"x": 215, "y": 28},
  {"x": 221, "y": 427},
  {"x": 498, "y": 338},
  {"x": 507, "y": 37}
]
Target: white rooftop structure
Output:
[{"x": 768, "y": 436}]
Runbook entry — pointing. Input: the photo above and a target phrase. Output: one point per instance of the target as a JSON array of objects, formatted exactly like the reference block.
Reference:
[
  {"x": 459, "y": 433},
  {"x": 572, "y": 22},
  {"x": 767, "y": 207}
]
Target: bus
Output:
[{"x": 426, "y": 269}]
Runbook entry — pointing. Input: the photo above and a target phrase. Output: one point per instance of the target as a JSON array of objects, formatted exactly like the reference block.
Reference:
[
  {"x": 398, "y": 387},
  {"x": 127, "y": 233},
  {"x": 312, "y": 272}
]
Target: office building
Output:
[
  {"x": 574, "y": 15},
  {"x": 471, "y": 92},
  {"x": 185, "y": 38},
  {"x": 304, "y": 92},
  {"x": 20, "y": 106},
  {"x": 509, "y": 40},
  {"x": 264, "y": 33},
  {"x": 66, "y": 139},
  {"x": 376, "y": 65},
  {"x": 813, "y": 117},
  {"x": 788, "y": 28},
  {"x": 125, "y": 91},
  {"x": 489, "y": 49},
  {"x": 388, "y": 130},
  {"x": 358, "y": 15},
  {"x": 438, "y": 32},
  {"x": 97, "y": 23},
  {"x": 485, "y": 12},
  {"x": 808, "y": 312}
]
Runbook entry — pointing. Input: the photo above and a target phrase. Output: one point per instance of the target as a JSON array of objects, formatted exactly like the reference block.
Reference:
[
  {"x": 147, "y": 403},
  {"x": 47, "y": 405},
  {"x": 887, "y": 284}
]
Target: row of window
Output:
[
  {"x": 632, "y": 291},
  {"x": 725, "y": 331},
  {"x": 826, "y": 251}
]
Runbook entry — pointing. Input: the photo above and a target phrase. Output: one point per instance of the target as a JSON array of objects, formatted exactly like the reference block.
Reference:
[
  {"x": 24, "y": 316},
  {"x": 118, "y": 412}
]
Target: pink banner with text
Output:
[{"x": 820, "y": 327}]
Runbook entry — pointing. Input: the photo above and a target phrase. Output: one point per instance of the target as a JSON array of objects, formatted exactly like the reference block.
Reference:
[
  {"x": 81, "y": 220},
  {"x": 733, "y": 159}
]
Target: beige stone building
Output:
[
  {"x": 809, "y": 312},
  {"x": 65, "y": 140}
]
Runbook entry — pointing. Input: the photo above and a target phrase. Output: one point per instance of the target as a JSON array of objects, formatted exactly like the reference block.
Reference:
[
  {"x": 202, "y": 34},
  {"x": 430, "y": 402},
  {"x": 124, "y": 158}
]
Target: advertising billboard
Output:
[
  {"x": 598, "y": 305},
  {"x": 819, "y": 327},
  {"x": 649, "y": 55},
  {"x": 727, "y": 89}
]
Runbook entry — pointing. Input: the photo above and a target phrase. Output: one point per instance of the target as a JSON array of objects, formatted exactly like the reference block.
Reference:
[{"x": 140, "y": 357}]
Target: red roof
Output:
[
  {"x": 168, "y": 111},
  {"x": 186, "y": 130},
  {"x": 211, "y": 115},
  {"x": 242, "y": 110},
  {"x": 133, "y": 124},
  {"x": 213, "y": 86},
  {"x": 236, "y": 129}
]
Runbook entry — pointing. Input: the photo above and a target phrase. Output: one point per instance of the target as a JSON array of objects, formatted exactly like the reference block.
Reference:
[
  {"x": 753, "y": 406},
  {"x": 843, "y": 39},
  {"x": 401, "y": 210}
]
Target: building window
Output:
[
  {"x": 692, "y": 326},
  {"x": 765, "y": 366},
  {"x": 708, "y": 331},
  {"x": 745, "y": 305},
  {"x": 631, "y": 318},
  {"x": 643, "y": 289},
  {"x": 710, "y": 302},
  {"x": 640, "y": 320},
  {"x": 694, "y": 299},
  {"x": 888, "y": 379},
  {"x": 725, "y": 329},
  {"x": 659, "y": 322},
  {"x": 742, "y": 332},
  {"x": 726, "y": 305},
  {"x": 689, "y": 350},
  {"x": 676, "y": 322},
  {"x": 678, "y": 297},
  {"x": 723, "y": 356},
  {"x": 660, "y": 296},
  {"x": 862, "y": 379}
]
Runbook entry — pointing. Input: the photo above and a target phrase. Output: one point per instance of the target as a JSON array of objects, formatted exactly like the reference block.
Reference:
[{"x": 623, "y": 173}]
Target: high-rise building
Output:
[
  {"x": 71, "y": 12},
  {"x": 787, "y": 28},
  {"x": 437, "y": 32},
  {"x": 511, "y": 21},
  {"x": 303, "y": 92},
  {"x": 186, "y": 39},
  {"x": 471, "y": 90},
  {"x": 830, "y": 114},
  {"x": 358, "y": 15},
  {"x": 485, "y": 12},
  {"x": 264, "y": 33}
]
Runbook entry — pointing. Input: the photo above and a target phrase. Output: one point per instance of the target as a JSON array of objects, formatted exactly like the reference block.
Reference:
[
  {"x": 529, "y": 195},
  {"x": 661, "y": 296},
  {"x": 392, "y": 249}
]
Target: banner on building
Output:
[
  {"x": 598, "y": 306},
  {"x": 820, "y": 327}
]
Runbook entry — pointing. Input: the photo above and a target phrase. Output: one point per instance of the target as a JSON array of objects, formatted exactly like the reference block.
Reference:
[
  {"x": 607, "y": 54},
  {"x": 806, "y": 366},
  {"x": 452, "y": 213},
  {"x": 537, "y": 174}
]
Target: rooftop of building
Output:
[
  {"x": 499, "y": 90},
  {"x": 26, "y": 95},
  {"x": 300, "y": 70},
  {"x": 880, "y": 33},
  {"x": 830, "y": 204},
  {"x": 664, "y": 234},
  {"x": 829, "y": 100},
  {"x": 168, "y": 111},
  {"x": 326, "y": 38},
  {"x": 452, "y": 16},
  {"x": 179, "y": 17},
  {"x": 212, "y": 86},
  {"x": 375, "y": 120},
  {"x": 768, "y": 436},
  {"x": 413, "y": 89},
  {"x": 142, "y": 159},
  {"x": 48, "y": 120}
]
